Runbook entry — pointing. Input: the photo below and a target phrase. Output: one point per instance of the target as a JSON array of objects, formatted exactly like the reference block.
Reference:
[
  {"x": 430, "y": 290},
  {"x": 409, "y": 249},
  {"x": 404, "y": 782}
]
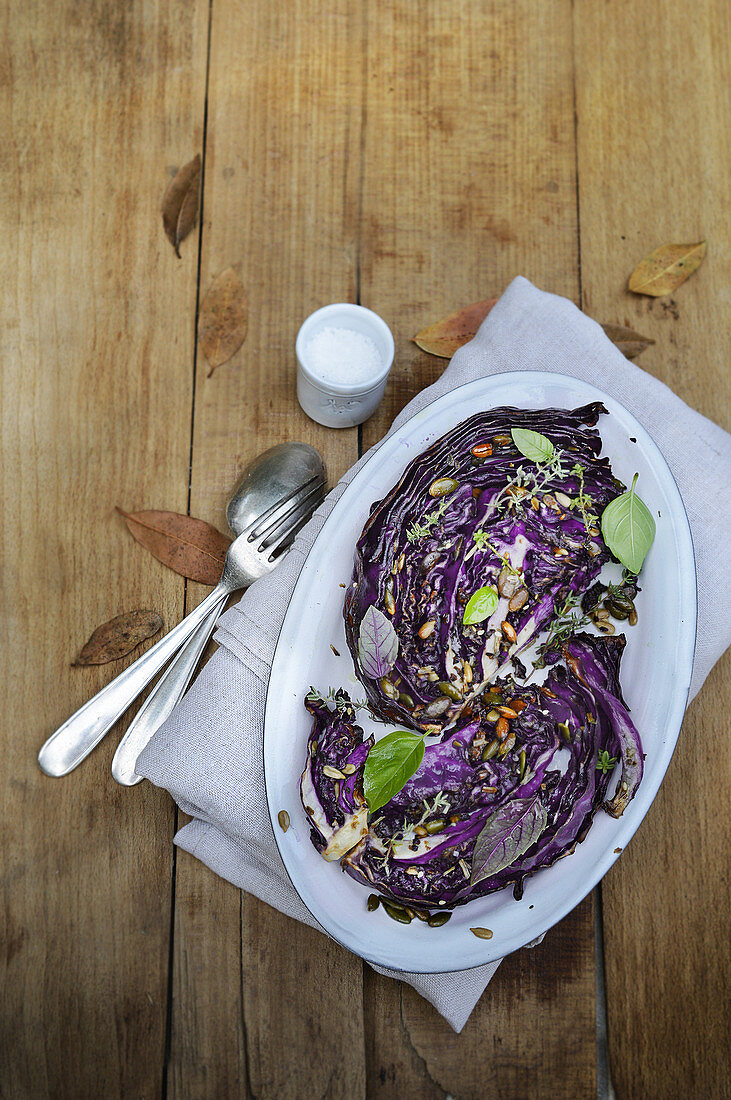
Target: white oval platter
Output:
[{"x": 656, "y": 670}]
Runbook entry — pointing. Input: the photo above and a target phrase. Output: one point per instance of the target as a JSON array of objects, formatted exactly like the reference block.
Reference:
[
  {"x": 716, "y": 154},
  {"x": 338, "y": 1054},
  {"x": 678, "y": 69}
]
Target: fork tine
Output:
[
  {"x": 273, "y": 515},
  {"x": 283, "y": 520},
  {"x": 297, "y": 522}
]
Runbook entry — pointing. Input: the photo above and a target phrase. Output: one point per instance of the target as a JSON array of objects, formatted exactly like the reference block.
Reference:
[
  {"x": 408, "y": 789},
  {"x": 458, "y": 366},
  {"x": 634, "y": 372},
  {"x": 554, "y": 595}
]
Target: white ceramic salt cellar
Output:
[{"x": 344, "y": 353}]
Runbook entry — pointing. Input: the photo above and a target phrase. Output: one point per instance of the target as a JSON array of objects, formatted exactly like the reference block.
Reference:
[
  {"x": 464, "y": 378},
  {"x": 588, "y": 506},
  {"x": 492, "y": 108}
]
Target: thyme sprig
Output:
[
  {"x": 566, "y": 621},
  {"x": 341, "y": 704},
  {"x": 418, "y": 530},
  {"x": 583, "y": 502},
  {"x": 605, "y": 763}
]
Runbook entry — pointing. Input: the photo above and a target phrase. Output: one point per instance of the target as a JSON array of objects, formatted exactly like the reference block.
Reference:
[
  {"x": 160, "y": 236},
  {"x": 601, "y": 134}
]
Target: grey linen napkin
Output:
[{"x": 209, "y": 752}]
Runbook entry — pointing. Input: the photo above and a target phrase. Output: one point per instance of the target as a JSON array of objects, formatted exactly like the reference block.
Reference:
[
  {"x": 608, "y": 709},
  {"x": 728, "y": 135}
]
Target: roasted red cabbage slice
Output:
[
  {"x": 472, "y": 512},
  {"x": 420, "y": 849}
]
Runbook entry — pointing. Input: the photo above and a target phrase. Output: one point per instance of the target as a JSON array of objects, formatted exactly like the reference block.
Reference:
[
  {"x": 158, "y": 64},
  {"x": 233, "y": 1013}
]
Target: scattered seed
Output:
[
  {"x": 522, "y": 760},
  {"x": 405, "y": 700},
  {"x": 507, "y": 712},
  {"x": 373, "y": 902},
  {"x": 412, "y": 870},
  {"x": 502, "y": 729},
  {"x": 388, "y": 688},
  {"x": 534, "y": 504},
  {"x": 420, "y": 831},
  {"x": 632, "y": 618},
  {"x": 476, "y": 493},
  {"x": 617, "y": 850},
  {"x": 482, "y": 450},
  {"x": 548, "y": 693},
  {"x": 507, "y": 745},
  {"x": 390, "y": 602},
  {"x": 283, "y": 819},
  {"x": 443, "y": 486},
  {"x": 509, "y": 631},
  {"x": 501, "y": 440},
  {"x": 563, "y": 729},
  {"x": 429, "y": 561},
  {"x": 563, "y": 500},
  {"x": 467, "y": 672},
  {"x": 517, "y": 705},
  {"x": 601, "y": 614},
  {"x": 450, "y": 690},
  {"x": 397, "y": 912},
  {"x": 605, "y": 628},
  {"x": 454, "y": 818},
  {"x": 349, "y": 769},
  {"x": 482, "y": 933},
  {"x": 436, "y": 920},
  {"x": 492, "y": 716},
  {"x": 438, "y": 707},
  {"x": 332, "y": 773},
  {"x": 427, "y": 629},
  {"x": 550, "y": 502},
  {"x": 489, "y": 752},
  {"x": 401, "y": 562},
  {"x": 507, "y": 582},
  {"x": 436, "y": 826},
  {"x": 465, "y": 868},
  {"x": 433, "y": 678},
  {"x": 518, "y": 600},
  {"x": 560, "y": 552},
  {"x": 420, "y": 914}
]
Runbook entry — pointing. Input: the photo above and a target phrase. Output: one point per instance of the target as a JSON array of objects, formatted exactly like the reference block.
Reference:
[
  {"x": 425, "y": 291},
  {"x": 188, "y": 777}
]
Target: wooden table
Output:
[{"x": 412, "y": 157}]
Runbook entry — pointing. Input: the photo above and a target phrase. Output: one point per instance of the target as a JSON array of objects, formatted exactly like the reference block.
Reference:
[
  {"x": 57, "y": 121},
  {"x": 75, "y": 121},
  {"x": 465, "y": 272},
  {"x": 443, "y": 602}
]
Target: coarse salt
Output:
[{"x": 343, "y": 356}]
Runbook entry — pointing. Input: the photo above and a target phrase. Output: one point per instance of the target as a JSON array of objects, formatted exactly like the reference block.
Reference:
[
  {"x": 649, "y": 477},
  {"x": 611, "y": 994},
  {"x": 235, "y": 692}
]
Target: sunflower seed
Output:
[
  {"x": 331, "y": 772},
  {"x": 482, "y": 933},
  {"x": 427, "y": 629},
  {"x": 283, "y": 819}
]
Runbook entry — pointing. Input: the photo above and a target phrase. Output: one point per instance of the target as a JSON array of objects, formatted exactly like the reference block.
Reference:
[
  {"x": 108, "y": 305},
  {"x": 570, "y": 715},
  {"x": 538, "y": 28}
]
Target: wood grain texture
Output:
[
  {"x": 280, "y": 205},
  {"x": 98, "y": 101},
  {"x": 469, "y": 180},
  {"x": 653, "y": 155}
]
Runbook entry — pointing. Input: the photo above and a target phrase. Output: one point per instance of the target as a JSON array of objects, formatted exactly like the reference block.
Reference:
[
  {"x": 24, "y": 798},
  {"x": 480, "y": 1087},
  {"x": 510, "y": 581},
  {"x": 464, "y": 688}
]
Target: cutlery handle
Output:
[
  {"x": 167, "y": 692},
  {"x": 79, "y": 734}
]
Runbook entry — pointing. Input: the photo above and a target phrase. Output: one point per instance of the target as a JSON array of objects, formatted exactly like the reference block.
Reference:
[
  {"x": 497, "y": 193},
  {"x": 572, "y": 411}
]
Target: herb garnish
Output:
[
  {"x": 335, "y": 696},
  {"x": 389, "y": 765},
  {"x": 605, "y": 762},
  {"x": 628, "y": 528},
  {"x": 418, "y": 530}
]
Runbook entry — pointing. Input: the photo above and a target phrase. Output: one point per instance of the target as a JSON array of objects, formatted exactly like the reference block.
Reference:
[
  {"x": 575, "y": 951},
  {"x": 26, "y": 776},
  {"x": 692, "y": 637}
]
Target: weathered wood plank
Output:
[
  {"x": 469, "y": 180},
  {"x": 99, "y": 101},
  {"x": 281, "y": 205},
  {"x": 653, "y": 154}
]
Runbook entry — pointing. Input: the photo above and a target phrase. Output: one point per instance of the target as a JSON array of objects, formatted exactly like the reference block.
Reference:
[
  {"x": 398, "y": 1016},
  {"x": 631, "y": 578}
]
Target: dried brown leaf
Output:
[
  {"x": 666, "y": 268},
  {"x": 444, "y": 337},
  {"x": 118, "y": 637},
  {"x": 223, "y": 319},
  {"x": 180, "y": 203},
  {"x": 190, "y": 546},
  {"x": 630, "y": 343}
]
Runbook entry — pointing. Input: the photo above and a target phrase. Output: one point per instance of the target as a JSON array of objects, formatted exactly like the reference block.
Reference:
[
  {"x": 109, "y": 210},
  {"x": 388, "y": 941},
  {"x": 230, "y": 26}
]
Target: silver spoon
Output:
[
  {"x": 250, "y": 556},
  {"x": 273, "y": 476}
]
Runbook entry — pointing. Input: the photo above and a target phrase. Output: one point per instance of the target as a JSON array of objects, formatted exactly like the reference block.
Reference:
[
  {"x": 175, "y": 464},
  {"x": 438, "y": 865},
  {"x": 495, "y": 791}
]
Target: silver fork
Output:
[
  {"x": 252, "y": 554},
  {"x": 170, "y": 688}
]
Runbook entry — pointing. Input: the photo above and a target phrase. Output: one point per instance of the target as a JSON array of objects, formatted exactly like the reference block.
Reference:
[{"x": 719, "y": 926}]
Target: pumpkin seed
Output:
[
  {"x": 388, "y": 688},
  {"x": 332, "y": 773},
  {"x": 429, "y": 561},
  {"x": 450, "y": 690},
  {"x": 605, "y": 628},
  {"x": 632, "y": 618},
  {"x": 349, "y": 769},
  {"x": 443, "y": 486},
  {"x": 563, "y": 500},
  {"x": 436, "y": 826},
  {"x": 396, "y": 912},
  {"x": 601, "y": 614},
  {"x": 482, "y": 933},
  {"x": 563, "y": 729},
  {"x": 502, "y": 440},
  {"x": 405, "y": 700},
  {"x": 436, "y": 920},
  {"x": 283, "y": 819},
  {"x": 508, "y": 582},
  {"x": 373, "y": 902},
  {"x": 420, "y": 831},
  {"x": 489, "y": 752},
  {"x": 518, "y": 600},
  {"x": 439, "y": 706},
  {"x": 507, "y": 745},
  {"x": 522, "y": 759},
  {"x": 420, "y": 914},
  {"x": 427, "y": 629}
]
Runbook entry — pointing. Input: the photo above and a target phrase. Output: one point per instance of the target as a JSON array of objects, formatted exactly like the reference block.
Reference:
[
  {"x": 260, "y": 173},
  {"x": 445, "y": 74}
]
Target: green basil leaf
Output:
[
  {"x": 536, "y": 447},
  {"x": 628, "y": 528},
  {"x": 506, "y": 835},
  {"x": 480, "y": 605},
  {"x": 391, "y": 762}
]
